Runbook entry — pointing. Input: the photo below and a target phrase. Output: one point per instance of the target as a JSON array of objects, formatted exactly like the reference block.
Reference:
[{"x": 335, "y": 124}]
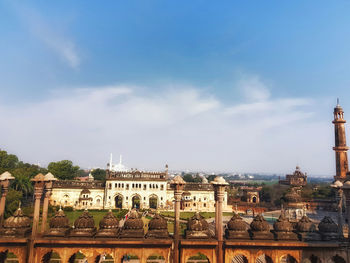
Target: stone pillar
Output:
[
  {"x": 216, "y": 213},
  {"x": 45, "y": 209},
  {"x": 5, "y": 179},
  {"x": 177, "y": 184},
  {"x": 219, "y": 185},
  {"x": 4, "y": 192},
  {"x": 346, "y": 190},
  {"x": 38, "y": 180},
  {"x": 340, "y": 212}
]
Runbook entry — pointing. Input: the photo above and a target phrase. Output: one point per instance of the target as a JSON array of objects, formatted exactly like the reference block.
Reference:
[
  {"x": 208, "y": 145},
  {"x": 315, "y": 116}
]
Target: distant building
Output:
[
  {"x": 251, "y": 194},
  {"x": 296, "y": 179}
]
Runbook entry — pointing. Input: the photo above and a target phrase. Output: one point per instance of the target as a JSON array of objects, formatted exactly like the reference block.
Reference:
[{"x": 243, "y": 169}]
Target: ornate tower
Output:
[{"x": 340, "y": 148}]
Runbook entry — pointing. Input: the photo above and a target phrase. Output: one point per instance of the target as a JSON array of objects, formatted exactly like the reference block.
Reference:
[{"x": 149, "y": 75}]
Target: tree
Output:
[
  {"x": 188, "y": 178},
  {"x": 22, "y": 183},
  {"x": 12, "y": 201},
  {"x": 211, "y": 177},
  {"x": 7, "y": 161},
  {"x": 64, "y": 170},
  {"x": 99, "y": 174}
]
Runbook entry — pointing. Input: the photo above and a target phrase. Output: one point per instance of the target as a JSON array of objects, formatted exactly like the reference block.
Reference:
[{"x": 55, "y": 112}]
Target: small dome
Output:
[
  {"x": 282, "y": 224},
  {"x": 197, "y": 223},
  {"x": 219, "y": 180},
  {"x": 305, "y": 225},
  {"x": 177, "y": 180},
  {"x": 49, "y": 177},
  {"x": 236, "y": 223},
  {"x": 158, "y": 222},
  {"x": 59, "y": 220},
  {"x": 85, "y": 220},
  {"x": 259, "y": 224},
  {"x": 327, "y": 225},
  {"x": 85, "y": 191},
  {"x": 109, "y": 221},
  {"x": 337, "y": 184},
  {"x": 292, "y": 196},
  {"x": 6, "y": 176},
  {"x": 204, "y": 180},
  {"x": 133, "y": 221},
  {"x": 346, "y": 184},
  {"x": 18, "y": 220}
]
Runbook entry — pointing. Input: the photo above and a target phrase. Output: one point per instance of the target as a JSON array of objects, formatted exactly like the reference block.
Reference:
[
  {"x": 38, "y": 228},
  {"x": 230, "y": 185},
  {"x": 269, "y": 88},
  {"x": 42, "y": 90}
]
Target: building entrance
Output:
[
  {"x": 136, "y": 202},
  {"x": 118, "y": 201}
]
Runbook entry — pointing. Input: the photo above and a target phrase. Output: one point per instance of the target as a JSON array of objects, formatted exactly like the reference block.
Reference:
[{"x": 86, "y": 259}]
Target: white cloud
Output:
[
  {"x": 59, "y": 43},
  {"x": 253, "y": 88},
  {"x": 183, "y": 127}
]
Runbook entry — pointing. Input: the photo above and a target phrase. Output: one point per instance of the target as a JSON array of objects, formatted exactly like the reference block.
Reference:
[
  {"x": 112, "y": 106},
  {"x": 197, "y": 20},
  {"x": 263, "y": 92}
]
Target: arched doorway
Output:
[
  {"x": 8, "y": 257},
  {"x": 264, "y": 259},
  {"x": 153, "y": 202},
  {"x": 51, "y": 257},
  {"x": 338, "y": 259},
  {"x": 288, "y": 259},
  {"x": 130, "y": 258},
  {"x": 77, "y": 258},
  {"x": 198, "y": 258},
  {"x": 104, "y": 258},
  {"x": 155, "y": 259},
  {"x": 239, "y": 259},
  {"x": 254, "y": 199},
  {"x": 118, "y": 201},
  {"x": 136, "y": 202}
]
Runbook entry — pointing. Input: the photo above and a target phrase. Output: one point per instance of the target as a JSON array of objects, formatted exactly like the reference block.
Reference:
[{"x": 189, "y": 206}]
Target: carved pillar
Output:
[
  {"x": 219, "y": 185},
  {"x": 46, "y": 207},
  {"x": 346, "y": 190},
  {"x": 178, "y": 184},
  {"x": 38, "y": 180},
  {"x": 5, "y": 179},
  {"x": 340, "y": 212},
  {"x": 48, "y": 181},
  {"x": 4, "y": 192}
]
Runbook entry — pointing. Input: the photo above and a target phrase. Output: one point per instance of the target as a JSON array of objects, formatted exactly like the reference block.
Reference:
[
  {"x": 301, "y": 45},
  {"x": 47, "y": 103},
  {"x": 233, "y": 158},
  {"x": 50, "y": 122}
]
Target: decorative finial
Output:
[
  {"x": 19, "y": 204},
  {"x": 337, "y": 101}
]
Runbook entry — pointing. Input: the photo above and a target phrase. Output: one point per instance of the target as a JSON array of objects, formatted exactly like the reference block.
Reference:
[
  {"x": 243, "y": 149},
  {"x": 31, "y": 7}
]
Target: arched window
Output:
[{"x": 239, "y": 259}]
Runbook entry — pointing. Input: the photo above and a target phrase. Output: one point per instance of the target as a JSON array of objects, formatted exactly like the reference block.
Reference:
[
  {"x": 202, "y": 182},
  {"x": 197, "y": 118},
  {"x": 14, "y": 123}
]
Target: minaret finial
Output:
[
  {"x": 19, "y": 204},
  {"x": 120, "y": 159},
  {"x": 110, "y": 162},
  {"x": 337, "y": 101}
]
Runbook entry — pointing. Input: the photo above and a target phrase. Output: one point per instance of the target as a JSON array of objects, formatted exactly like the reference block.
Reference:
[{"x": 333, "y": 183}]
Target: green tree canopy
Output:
[
  {"x": 12, "y": 200},
  {"x": 99, "y": 174},
  {"x": 63, "y": 170},
  {"x": 7, "y": 161}
]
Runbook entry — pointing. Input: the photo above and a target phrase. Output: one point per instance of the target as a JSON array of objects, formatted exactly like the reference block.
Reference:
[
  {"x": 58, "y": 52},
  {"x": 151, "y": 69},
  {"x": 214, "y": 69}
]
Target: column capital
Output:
[{"x": 219, "y": 185}]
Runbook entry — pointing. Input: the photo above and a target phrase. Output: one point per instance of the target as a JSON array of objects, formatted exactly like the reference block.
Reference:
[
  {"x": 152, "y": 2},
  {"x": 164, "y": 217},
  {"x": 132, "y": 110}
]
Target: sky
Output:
[{"x": 229, "y": 86}]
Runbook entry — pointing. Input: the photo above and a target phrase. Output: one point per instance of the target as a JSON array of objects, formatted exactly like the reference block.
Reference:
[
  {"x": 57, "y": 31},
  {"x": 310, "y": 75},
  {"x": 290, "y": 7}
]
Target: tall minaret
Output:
[{"x": 341, "y": 156}]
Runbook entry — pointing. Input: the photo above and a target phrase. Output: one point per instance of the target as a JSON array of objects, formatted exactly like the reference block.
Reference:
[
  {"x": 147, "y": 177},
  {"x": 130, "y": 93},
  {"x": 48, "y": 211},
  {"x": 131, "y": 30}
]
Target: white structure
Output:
[{"x": 131, "y": 188}]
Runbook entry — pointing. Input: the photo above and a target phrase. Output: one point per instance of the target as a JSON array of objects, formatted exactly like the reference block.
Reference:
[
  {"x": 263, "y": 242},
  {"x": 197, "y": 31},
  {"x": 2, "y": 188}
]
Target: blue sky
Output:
[{"x": 245, "y": 74}]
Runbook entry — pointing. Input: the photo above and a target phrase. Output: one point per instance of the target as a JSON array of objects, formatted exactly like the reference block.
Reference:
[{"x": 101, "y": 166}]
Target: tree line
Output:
[{"x": 21, "y": 188}]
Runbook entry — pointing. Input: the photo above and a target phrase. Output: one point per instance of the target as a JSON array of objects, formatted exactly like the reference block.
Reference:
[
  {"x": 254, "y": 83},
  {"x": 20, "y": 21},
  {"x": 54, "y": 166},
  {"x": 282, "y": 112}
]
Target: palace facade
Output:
[{"x": 130, "y": 188}]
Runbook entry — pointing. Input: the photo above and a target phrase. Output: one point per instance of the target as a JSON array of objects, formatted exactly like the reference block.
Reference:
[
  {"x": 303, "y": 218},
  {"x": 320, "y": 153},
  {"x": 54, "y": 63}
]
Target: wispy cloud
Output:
[
  {"x": 183, "y": 127},
  {"x": 63, "y": 46}
]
